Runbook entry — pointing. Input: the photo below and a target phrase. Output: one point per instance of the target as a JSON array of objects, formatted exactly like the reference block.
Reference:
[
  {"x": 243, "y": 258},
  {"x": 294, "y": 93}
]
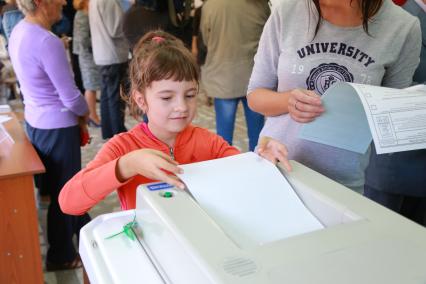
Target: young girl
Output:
[{"x": 164, "y": 86}]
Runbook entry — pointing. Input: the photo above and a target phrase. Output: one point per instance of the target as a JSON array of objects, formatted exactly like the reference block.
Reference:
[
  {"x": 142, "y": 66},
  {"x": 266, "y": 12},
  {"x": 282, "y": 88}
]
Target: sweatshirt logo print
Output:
[
  {"x": 336, "y": 48},
  {"x": 325, "y": 75}
]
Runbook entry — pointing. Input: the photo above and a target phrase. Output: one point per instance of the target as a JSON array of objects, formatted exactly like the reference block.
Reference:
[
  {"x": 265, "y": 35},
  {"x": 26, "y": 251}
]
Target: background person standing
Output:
[
  {"x": 110, "y": 52},
  {"x": 82, "y": 46},
  {"x": 53, "y": 108},
  {"x": 231, "y": 32},
  {"x": 398, "y": 181}
]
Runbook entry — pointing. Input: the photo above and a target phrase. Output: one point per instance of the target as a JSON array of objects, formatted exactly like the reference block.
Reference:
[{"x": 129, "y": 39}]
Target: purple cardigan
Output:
[{"x": 51, "y": 98}]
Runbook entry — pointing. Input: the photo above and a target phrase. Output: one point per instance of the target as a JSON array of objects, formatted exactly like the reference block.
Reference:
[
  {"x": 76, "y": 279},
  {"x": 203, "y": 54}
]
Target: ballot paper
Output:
[
  {"x": 4, "y": 118},
  {"x": 6, "y": 141},
  {"x": 396, "y": 118},
  {"x": 5, "y": 108},
  {"x": 343, "y": 125},
  {"x": 249, "y": 198}
]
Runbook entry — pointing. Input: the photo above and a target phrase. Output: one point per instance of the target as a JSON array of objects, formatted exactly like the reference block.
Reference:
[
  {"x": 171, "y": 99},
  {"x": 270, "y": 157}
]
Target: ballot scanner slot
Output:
[
  {"x": 328, "y": 212},
  {"x": 313, "y": 195}
]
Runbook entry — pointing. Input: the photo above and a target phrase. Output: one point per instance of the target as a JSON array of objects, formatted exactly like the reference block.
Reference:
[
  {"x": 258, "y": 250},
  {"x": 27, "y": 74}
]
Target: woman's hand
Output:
[
  {"x": 151, "y": 164},
  {"x": 273, "y": 151},
  {"x": 304, "y": 106},
  {"x": 66, "y": 41},
  {"x": 84, "y": 131}
]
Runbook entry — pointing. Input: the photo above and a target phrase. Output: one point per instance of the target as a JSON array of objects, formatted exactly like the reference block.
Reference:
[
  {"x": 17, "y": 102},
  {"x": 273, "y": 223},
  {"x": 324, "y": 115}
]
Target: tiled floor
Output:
[{"x": 205, "y": 118}]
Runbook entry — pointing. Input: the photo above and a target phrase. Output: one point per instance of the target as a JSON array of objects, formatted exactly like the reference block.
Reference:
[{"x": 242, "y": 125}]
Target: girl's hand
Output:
[
  {"x": 273, "y": 151},
  {"x": 151, "y": 164},
  {"x": 304, "y": 106}
]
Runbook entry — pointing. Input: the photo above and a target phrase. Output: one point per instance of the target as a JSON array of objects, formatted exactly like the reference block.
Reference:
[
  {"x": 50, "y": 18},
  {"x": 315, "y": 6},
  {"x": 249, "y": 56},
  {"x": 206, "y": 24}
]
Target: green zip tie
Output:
[{"x": 127, "y": 230}]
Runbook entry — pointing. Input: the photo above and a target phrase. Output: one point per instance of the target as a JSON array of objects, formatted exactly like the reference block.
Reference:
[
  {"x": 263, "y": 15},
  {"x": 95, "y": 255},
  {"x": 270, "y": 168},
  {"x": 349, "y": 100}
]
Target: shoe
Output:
[
  {"x": 76, "y": 263},
  {"x": 92, "y": 123}
]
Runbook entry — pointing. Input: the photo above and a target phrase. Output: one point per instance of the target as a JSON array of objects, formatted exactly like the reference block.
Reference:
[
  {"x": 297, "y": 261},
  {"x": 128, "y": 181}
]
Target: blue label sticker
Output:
[{"x": 159, "y": 186}]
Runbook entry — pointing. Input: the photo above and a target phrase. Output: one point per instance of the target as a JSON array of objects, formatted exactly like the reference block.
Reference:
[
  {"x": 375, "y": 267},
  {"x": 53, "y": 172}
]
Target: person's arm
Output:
[
  {"x": 204, "y": 26},
  {"x": 262, "y": 97},
  {"x": 400, "y": 73},
  {"x": 81, "y": 34},
  {"x": 214, "y": 145},
  {"x": 302, "y": 105},
  {"x": 93, "y": 183},
  {"x": 195, "y": 31},
  {"x": 56, "y": 66},
  {"x": 149, "y": 163},
  {"x": 194, "y": 46},
  {"x": 112, "y": 167}
]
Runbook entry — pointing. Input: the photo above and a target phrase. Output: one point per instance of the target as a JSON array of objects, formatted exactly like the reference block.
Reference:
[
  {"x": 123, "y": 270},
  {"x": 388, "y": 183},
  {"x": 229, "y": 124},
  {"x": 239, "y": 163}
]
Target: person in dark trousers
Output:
[
  {"x": 111, "y": 53},
  {"x": 398, "y": 181},
  {"x": 55, "y": 112}
]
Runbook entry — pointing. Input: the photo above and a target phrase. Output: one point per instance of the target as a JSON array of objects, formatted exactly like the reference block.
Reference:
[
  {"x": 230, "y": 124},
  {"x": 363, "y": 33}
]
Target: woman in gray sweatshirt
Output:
[{"x": 308, "y": 45}]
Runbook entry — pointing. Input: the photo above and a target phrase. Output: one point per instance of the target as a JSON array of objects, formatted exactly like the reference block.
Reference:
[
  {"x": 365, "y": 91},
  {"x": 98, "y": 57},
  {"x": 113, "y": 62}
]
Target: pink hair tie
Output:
[{"x": 158, "y": 39}]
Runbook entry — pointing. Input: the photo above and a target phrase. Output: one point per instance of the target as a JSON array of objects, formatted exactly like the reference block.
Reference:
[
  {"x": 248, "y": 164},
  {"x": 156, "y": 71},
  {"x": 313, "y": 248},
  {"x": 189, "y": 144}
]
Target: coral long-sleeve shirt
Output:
[{"x": 98, "y": 179}]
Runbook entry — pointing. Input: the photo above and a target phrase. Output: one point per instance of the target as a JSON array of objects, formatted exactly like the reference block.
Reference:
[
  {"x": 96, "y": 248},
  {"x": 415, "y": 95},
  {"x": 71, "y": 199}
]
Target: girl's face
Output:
[{"x": 170, "y": 107}]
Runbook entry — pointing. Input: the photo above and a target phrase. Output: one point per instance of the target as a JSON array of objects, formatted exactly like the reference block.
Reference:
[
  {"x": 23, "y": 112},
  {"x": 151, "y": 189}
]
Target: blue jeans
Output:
[
  {"x": 226, "y": 110},
  {"x": 9, "y": 21}
]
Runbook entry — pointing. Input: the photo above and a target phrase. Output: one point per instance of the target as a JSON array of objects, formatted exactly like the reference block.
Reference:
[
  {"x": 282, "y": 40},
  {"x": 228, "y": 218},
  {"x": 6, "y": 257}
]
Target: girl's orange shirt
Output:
[{"x": 98, "y": 179}]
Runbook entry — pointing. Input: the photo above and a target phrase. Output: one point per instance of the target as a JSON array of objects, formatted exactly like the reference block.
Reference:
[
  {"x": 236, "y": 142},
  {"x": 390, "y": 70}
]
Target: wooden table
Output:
[{"x": 20, "y": 258}]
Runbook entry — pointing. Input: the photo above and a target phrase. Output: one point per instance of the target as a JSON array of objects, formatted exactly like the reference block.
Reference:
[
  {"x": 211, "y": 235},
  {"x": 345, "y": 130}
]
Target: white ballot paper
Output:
[
  {"x": 4, "y": 118},
  {"x": 396, "y": 118},
  {"x": 5, "y": 108},
  {"x": 6, "y": 141},
  {"x": 249, "y": 198}
]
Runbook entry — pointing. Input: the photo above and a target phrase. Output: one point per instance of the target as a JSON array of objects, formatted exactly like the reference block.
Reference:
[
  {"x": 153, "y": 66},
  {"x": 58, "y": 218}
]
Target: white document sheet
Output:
[
  {"x": 4, "y": 118},
  {"x": 6, "y": 141},
  {"x": 397, "y": 118},
  {"x": 5, "y": 108},
  {"x": 249, "y": 198}
]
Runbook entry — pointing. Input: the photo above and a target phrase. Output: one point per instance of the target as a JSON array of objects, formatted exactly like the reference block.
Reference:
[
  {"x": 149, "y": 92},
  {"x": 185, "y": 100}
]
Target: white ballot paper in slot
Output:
[
  {"x": 396, "y": 118},
  {"x": 249, "y": 199}
]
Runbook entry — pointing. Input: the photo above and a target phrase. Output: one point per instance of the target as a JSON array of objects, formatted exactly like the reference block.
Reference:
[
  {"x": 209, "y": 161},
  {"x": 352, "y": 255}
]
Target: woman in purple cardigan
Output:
[{"x": 53, "y": 108}]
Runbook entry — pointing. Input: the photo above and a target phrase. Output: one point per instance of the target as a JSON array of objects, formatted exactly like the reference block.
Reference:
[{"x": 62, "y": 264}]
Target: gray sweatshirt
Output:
[
  {"x": 290, "y": 57},
  {"x": 106, "y": 27}
]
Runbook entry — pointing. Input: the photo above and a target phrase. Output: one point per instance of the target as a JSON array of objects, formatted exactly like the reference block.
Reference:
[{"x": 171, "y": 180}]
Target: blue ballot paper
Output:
[{"x": 343, "y": 124}]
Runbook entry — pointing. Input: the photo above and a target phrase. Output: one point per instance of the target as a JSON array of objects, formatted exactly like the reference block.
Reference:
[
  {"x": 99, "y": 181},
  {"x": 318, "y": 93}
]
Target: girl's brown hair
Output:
[
  {"x": 369, "y": 8},
  {"x": 158, "y": 56}
]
